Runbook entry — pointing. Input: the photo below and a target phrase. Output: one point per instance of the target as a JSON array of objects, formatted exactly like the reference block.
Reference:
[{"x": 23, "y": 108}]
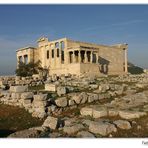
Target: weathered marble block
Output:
[{"x": 50, "y": 87}]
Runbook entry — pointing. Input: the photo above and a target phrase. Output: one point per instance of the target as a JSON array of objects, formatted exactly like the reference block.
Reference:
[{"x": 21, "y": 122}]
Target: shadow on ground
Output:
[{"x": 5, "y": 133}]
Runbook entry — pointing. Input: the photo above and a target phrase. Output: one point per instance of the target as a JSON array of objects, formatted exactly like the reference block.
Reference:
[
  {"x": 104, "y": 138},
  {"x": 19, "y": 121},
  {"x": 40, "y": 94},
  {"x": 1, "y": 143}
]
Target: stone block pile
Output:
[
  {"x": 20, "y": 96},
  {"x": 39, "y": 105},
  {"x": 95, "y": 106}
]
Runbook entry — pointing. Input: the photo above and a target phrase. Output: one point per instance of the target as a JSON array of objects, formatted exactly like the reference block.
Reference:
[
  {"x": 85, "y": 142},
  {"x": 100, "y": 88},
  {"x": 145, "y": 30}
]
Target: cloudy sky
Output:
[{"x": 22, "y": 25}]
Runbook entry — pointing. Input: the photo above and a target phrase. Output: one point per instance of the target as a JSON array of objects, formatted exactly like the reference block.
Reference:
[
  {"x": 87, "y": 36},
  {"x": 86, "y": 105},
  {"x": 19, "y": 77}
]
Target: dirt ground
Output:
[{"x": 14, "y": 118}]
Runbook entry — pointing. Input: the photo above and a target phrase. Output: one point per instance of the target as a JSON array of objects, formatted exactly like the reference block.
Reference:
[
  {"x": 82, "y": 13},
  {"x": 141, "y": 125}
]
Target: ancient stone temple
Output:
[{"x": 65, "y": 56}]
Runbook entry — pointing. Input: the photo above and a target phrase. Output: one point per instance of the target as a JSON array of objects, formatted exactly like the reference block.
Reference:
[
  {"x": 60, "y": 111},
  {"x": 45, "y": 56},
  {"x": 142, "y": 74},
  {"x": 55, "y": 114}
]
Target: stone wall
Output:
[
  {"x": 56, "y": 97},
  {"x": 113, "y": 58}
]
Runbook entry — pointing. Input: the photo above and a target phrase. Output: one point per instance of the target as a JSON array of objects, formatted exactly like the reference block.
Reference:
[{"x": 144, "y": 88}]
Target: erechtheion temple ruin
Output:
[{"x": 65, "y": 56}]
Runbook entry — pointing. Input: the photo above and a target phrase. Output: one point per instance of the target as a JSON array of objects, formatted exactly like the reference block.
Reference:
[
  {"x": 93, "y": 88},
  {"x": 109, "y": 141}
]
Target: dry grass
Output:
[
  {"x": 14, "y": 119},
  {"x": 134, "y": 132}
]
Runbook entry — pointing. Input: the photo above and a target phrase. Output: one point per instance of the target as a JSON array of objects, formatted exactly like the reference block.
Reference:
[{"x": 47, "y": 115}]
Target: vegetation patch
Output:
[
  {"x": 14, "y": 119},
  {"x": 38, "y": 87},
  {"x": 135, "y": 69}
]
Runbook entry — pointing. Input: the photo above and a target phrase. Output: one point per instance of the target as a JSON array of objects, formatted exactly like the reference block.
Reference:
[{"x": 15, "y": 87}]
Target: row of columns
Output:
[
  {"x": 23, "y": 59},
  {"x": 91, "y": 58},
  {"x": 85, "y": 56}
]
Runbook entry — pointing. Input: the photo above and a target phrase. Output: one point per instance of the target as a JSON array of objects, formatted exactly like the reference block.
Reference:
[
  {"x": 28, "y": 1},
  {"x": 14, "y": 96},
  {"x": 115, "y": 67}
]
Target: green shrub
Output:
[
  {"x": 135, "y": 70},
  {"x": 29, "y": 69}
]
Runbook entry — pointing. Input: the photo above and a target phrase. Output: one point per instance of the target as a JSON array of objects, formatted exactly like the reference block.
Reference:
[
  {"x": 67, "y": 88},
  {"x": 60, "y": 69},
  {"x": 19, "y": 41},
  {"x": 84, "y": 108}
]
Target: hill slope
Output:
[{"x": 133, "y": 69}]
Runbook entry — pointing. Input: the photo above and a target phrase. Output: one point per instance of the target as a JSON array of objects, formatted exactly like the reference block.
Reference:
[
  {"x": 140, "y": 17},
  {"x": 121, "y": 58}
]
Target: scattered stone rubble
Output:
[
  {"x": 94, "y": 107},
  {"x": 102, "y": 128}
]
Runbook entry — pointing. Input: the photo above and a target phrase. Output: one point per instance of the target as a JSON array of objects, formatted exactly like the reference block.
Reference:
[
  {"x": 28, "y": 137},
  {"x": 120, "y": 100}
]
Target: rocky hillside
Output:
[
  {"x": 78, "y": 106},
  {"x": 134, "y": 69}
]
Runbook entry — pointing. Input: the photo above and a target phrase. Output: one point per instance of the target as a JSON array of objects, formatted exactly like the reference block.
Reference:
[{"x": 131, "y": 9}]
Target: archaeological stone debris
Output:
[{"x": 80, "y": 106}]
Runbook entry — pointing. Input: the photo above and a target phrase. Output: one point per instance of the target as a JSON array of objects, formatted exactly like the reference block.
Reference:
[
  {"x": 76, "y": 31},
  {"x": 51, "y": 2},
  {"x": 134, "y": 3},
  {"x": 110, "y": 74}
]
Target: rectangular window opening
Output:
[
  {"x": 47, "y": 54},
  {"x": 62, "y": 56},
  {"x": 52, "y": 53},
  {"x": 58, "y": 52}
]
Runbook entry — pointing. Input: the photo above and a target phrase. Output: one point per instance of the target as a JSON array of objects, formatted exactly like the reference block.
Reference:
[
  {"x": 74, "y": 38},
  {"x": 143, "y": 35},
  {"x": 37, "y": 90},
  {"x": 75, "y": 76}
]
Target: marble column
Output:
[
  {"x": 91, "y": 56},
  {"x": 125, "y": 60},
  {"x": 18, "y": 60},
  {"x": 55, "y": 57},
  {"x": 97, "y": 57},
  {"x": 60, "y": 54},
  {"x": 79, "y": 56},
  {"x": 85, "y": 57}
]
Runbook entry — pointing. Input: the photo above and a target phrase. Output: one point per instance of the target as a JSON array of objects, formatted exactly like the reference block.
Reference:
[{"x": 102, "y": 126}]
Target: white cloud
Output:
[{"x": 96, "y": 27}]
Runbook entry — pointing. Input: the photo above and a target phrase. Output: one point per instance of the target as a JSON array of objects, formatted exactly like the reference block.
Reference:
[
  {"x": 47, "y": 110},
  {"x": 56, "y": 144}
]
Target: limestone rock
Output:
[
  {"x": 71, "y": 102},
  {"x": 101, "y": 96},
  {"x": 61, "y": 102},
  {"x": 99, "y": 112},
  {"x": 27, "y": 101},
  {"x": 27, "y": 95},
  {"x": 93, "y": 86},
  {"x": 4, "y": 86},
  {"x": 61, "y": 90},
  {"x": 73, "y": 129},
  {"x": 87, "y": 122},
  {"x": 16, "y": 96},
  {"x": 140, "y": 85},
  {"x": 70, "y": 88},
  {"x": 123, "y": 124},
  {"x": 101, "y": 128},
  {"x": 119, "y": 92},
  {"x": 84, "y": 98},
  {"x": 39, "y": 128},
  {"x": 79, "y": 98},
  {"x": 131, "y": 114},
  {"x": 54, "y": 77},
  {"x": 85, "y": 134},
  {"x": 40, "y": 97},
  {"x": 50, "y": 87},
  {"x": 86, "y": 111},
  {"x": 17, "y": 78},
  {"x": 3, "y": 82},
  {"x": 55, "y": 135},
  {"x": 53, "y": 108},
  {"x": 113, "y": 112},
  {"x": 25, "y": 134},
  {"x": 51, "y": 122},
  {"x": 130, "y": 92},
  {"x": 18, "y": 89},
  {"x": 40, "y": 114},
  {"x": 92, "y": 97},
  {"x": 70, "y": 121},
  {"x": 104, "y": 87},
  {"x": 39, "y": 104}
]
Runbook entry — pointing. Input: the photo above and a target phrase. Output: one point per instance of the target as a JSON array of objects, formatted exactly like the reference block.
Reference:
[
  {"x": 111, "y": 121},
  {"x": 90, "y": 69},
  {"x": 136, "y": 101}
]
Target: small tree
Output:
[
  {"x": 28, "y": 69},
  {"x": 43, "y": 72},
  {"x": 21, "y": 70}
]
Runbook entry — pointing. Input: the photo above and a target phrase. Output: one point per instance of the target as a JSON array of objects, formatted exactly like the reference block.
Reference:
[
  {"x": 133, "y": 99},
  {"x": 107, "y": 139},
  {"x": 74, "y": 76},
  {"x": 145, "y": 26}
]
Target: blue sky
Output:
[{"x": 22, "y": 25}]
